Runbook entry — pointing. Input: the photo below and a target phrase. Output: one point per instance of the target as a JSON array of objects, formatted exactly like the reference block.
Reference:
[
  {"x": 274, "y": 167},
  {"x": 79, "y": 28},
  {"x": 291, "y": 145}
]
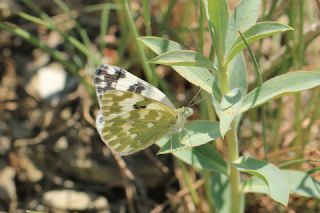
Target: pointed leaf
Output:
[
  {"x": 238, "y": 74},
  {"x": 195, "y": 133},
  {"x": 196, "y": 75},
  {"x": 277, "y": 182},
  {"x": 200, "y": 77},
  {"x": 287, "y": 83},
  {"x": 160, "y": 45},
  {"x": 218, "y": 17},
  {"x": 202, "y": 157},
  {"x": 303, "y": 184},
  {"x": 300, "y": 183},
  {"x": 230, "y": 106},
  {"x": 254, "y": 33},
  {"x": 221, "y": 193},
  {"x": 244, "y": 16},
  {"x": 184, "y": 58}
]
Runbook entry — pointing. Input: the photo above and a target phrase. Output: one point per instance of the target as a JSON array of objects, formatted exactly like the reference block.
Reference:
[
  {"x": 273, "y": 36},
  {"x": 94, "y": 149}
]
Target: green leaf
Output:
[
  {"x": 244, "y": 16},
  {"x": 230, "y": 106},
  {"x": 238, "y": 74},
  {"x": 254, "y": 33},
  {"x": 277, "y": 182},
  {"x": 202, "y": 157},
  {"x": 195, "y": 133},
  {"x": 184, "y": 58},
  {"x": 218, "y": 17},
  {"x": 200, "y": 77},
  {"x": 196, "y": 75},
  {"x": 287, "y": 83},
  {"x": 300, "y": 183},
  {"x": 160, "y": 45},
  {"x": 221, "y": 193}
]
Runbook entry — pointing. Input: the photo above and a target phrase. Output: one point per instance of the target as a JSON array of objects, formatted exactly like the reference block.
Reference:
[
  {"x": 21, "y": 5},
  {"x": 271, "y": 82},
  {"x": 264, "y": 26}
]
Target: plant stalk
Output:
[
  {"x": 234, "y": 175},
  {"x": 233, "y": 151}
]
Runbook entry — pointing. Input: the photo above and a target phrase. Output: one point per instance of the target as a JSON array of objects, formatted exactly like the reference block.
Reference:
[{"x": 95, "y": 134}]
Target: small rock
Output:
[
  {"x": 27, "y": 171},
  {"x": 52, "y": 80},
  {"x": 75, "y": 201},
  {"x": 48, "y": 81},
  {"x": 4, "y": 145},
  {"x": 7, "y": 186}
]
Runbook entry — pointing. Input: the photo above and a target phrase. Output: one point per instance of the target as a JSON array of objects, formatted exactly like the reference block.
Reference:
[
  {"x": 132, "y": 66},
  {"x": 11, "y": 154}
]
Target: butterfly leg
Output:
[
  {"x": 180, "y": 139},
  {"x": 188, "y": 133},
  {"x": 171, "y": 143}
]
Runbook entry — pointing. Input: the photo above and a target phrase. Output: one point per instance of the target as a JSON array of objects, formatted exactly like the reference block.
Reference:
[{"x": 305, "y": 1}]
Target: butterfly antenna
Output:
[
  {"x": 194, "y": 97},
  {"x": 189, "y": 136},
  {"x": 198, "y": 101}
]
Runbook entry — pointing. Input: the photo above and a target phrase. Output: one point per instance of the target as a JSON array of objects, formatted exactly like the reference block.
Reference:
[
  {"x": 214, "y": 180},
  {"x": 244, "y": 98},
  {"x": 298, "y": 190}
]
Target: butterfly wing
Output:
[
  {"x": 129, "y": 122},
  {"x": 109, "y": 77}
]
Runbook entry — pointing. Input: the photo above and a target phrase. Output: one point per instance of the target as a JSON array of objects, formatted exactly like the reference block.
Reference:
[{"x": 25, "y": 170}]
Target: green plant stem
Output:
[
  {"x": 299, "y": 60},
  {"x": 233, "y": 151},
  {"x": 223, "y": 79},
  {"x": 234, "y": 175}
]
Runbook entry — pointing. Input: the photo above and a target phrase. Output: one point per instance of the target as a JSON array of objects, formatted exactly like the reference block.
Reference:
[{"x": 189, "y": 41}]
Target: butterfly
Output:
[{"x": 132, "y": 113}]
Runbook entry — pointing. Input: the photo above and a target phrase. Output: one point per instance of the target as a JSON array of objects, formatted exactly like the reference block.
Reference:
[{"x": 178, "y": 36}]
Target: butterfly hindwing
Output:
[{"x": 129, "y": 122}]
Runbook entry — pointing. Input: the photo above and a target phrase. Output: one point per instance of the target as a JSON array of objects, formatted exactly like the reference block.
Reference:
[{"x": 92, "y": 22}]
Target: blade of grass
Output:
[
  {"x": 259, "y": 83},
  {"x": 72, "y": 40},
  {"x": 97, "y": 7},
  {"x": 206, "y": 109},
  {"x": 201, "y": 26},
  {"x": 271, "y": 10},
  {"x": 82, "y": 32},
  {"x": 166, "y": 17},
  {"x": 37, "y": 10},
  {"x": 52, "y": 52},
  {"x": 146, "y": 16},
  {"x": 104, "y": 22},
  {"x": 150, "y": 75},
  {"x": 188, "y": 181},
  {"x": 276, "y": 127},
  {"x": 296, "y": 161},
  {"x": 76, "y": 43},
  {"x": 296, "y": 18}
]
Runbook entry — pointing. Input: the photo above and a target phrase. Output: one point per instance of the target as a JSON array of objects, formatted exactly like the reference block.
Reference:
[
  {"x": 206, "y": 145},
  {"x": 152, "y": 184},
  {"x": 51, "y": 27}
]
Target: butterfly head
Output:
[
  {"x": 182, "y": 115},
  {"x": 187, "y": 112}
]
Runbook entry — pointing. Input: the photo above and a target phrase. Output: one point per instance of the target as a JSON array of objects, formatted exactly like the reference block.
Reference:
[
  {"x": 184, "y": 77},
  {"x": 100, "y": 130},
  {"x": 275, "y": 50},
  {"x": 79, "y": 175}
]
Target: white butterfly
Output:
[{"x": 133, "y": 114}]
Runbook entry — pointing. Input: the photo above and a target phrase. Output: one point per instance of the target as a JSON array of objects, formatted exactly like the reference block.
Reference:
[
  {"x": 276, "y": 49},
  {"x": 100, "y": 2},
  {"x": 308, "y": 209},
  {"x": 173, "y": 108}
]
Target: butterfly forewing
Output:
[
  {"x": 131, "y": 122},
  {"x": 109, "y": 77}
]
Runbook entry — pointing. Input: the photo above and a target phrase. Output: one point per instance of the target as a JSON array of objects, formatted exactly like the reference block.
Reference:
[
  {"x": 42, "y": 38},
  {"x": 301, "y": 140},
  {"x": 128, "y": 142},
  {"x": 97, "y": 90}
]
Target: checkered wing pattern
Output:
[
  {"x": 132, "y": 122},
  {"x": 109, "y": 77}
]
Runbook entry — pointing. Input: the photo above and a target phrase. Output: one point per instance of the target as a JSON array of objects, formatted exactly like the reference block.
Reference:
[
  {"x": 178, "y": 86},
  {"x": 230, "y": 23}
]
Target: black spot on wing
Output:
[
  {"x": 137, "y": 87},
  {"x": 105, "y": 79},
  {"x": 138, "y": 106}
]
